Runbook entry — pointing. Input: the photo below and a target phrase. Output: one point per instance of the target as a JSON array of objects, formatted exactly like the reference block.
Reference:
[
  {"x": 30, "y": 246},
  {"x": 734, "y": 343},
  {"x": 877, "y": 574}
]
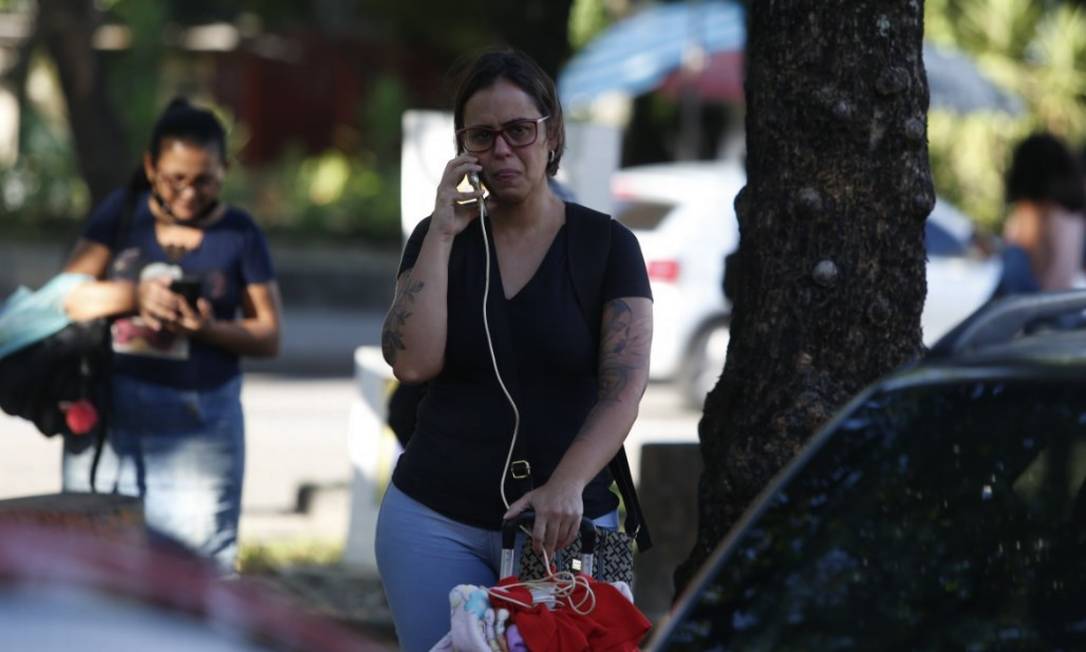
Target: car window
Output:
[
  {"x": 642, "y": 215},
  {"x": 940, "y": 242},
  {"x": 937, "y": 517}
]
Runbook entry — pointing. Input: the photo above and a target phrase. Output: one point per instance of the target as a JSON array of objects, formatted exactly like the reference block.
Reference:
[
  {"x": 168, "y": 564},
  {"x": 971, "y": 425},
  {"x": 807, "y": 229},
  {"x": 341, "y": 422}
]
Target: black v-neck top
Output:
[{"x": 454, "y": 459}]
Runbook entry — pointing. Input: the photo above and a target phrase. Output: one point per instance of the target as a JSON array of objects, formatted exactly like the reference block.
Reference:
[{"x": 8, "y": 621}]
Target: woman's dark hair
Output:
[
  {"x": 519, "y": 69},
  {"x": 182, "y": 121},
  {"x": 1043, "y": 168}
]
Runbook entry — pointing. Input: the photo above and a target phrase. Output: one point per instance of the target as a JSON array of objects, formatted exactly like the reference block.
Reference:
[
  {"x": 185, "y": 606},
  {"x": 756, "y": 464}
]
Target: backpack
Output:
[
  {"x": 45, "y": 382},
  {"x": 61, "y": 383}
]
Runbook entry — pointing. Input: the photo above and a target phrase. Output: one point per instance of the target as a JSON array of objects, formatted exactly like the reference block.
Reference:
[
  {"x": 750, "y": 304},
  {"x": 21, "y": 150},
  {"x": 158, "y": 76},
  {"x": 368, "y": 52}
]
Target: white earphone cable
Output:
[
  {"x": 494, "y": 358},
  {"x": 563, "y": 584}
]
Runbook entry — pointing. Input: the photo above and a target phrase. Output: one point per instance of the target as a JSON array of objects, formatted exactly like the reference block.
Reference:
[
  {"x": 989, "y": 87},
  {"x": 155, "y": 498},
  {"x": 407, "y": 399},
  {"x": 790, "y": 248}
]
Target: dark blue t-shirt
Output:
[
  {"x": 232, "y": 255},
  {"x": 454, "y": 460}
]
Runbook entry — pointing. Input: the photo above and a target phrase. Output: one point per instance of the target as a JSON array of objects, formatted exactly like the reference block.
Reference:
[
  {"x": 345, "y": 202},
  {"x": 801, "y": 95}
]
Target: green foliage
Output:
[
  {"x": 134, "y": 74},
  {"x": 1036, "y": 50},
  {"x": 381, "y": 116},
  {"x": 968, "y": 157},
  {"x": 587, "y": 18},
  {"x": 268, "y": 557},
  {"x": 43, "y": 186},
  {"x": 1054, "y": 75},
  {"x": 996, "y": 27},
  {"x": 333, "y": 193},
  {"x": 329, "y": 194}
]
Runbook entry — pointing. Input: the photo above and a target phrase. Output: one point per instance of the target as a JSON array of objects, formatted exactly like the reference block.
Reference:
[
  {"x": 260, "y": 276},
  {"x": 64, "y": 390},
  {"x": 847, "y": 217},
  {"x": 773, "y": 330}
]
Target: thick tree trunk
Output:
[
  {"x": 66, "y": 27},
  {"x": 831, "y": 259}
]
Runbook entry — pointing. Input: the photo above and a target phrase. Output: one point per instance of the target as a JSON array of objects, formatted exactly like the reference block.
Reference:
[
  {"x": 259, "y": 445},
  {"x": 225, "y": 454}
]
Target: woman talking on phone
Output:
[
  {"x": 576, "y": 385},
  {"x": 191, "y": 284}
]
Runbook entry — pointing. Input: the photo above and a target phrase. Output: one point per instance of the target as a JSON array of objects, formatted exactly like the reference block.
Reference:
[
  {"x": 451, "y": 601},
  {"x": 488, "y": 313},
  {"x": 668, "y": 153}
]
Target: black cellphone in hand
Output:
[{"x": 188, "y": 287}]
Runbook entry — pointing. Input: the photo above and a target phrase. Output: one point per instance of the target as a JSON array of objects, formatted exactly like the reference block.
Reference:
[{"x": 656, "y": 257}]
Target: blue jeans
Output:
[
  {"x": 182, "y": 452},
  {"x": 1017, "y": 275},
  {"x": 422, "y": 555}
]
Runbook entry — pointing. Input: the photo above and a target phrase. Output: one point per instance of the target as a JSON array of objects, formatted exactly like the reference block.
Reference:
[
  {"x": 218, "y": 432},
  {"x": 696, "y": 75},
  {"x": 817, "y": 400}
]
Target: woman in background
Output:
[
  {"x": 191, "y": 284},
  {"x": 1045, "y": 197}
]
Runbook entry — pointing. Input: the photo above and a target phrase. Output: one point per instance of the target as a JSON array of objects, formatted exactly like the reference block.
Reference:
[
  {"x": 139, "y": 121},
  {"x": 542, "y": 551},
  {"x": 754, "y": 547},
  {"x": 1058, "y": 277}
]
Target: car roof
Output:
[
  {"x": 677, "y": 182},
  {"x": 1019, "y": 329}
]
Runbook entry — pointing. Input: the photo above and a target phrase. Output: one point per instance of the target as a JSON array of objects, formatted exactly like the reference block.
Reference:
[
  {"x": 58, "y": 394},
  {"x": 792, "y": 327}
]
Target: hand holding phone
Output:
[
  {"x": 476, "y": 186},
  {"x": 189, "y": 287},
  {"x": 455, "y": 205}
]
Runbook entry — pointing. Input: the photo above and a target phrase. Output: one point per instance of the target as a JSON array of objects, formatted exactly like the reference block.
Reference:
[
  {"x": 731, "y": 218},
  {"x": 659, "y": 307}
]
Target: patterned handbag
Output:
[{"x": 613, "y": 557}]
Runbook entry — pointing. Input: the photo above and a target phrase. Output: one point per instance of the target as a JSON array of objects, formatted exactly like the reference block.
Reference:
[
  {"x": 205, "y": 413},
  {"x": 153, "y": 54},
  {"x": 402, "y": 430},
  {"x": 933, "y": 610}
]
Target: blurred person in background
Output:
[
  {"x": 1045, "y": 198},
  {"x": 191, "y": 285}
]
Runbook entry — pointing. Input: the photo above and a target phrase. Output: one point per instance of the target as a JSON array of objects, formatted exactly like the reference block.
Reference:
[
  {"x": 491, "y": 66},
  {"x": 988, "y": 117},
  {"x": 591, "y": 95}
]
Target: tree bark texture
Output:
[
  {"x": 831, "y": 260},
  {"x": 66, "y": 27}
]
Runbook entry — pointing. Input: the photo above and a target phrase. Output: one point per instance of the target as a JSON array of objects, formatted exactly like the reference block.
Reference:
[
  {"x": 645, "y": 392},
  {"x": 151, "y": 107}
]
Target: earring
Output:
[{"x": 550, "y": 156}]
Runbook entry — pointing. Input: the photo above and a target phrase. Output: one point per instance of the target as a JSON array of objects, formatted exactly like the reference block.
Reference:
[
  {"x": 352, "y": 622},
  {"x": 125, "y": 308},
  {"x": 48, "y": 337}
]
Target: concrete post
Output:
[{"x": 373, "y": 450}]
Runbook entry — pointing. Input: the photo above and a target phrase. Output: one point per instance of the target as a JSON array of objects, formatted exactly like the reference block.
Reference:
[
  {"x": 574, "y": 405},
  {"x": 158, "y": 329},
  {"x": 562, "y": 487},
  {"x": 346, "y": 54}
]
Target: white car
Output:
[{"x": 684, "y": 218}]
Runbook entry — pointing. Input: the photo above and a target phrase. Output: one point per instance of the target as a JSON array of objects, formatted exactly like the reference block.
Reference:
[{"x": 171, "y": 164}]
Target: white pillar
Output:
[
  {"x": 373, "y": 450},
  {"x": 9, "y": 116}
]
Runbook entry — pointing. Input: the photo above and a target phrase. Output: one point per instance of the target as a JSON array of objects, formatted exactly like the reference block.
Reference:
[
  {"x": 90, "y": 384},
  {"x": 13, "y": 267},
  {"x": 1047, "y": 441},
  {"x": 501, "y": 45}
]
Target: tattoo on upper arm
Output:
[
  {"x": 392, "y": 334},
  {"x": 624, "y": 350}
]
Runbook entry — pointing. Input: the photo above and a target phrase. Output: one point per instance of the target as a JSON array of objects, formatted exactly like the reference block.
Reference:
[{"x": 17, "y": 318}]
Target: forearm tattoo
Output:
[
  {"x": 624, "y": 350},
  {"x": 392, "y": 334}
]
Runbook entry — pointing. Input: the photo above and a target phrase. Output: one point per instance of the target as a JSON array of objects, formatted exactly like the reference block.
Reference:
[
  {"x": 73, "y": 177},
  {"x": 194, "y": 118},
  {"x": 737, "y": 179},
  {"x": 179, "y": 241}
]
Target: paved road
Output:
[{"x": 297, "y": 412}]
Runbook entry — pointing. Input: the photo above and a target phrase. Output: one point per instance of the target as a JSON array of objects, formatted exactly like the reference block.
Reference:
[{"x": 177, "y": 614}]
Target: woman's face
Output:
[
  {"x": 187, "y": 177},
  {"x": 511, "y": 173}
]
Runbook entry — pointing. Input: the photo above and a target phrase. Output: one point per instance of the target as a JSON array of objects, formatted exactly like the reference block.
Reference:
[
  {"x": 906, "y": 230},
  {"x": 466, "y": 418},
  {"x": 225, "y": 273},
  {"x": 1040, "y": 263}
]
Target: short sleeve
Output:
[
  {"x": 413, "y": 246},
  {"x": 101, "y": 226},
  {"x": 256, "y": 261},
  {"x": 626, "y": 275}
]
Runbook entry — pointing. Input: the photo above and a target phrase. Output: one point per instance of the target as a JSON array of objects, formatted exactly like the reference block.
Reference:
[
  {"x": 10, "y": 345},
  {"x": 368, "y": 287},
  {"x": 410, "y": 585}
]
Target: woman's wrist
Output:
[
  {"x": 207, "y": 329},
  {"x": 570, "y": 478},
  {"x": 133, "y": 288},
  {"x": 440, "y": 237}
]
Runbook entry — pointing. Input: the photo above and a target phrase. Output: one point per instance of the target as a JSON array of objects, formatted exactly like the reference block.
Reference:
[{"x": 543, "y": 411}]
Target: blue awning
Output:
[{"x": 636, "y": 54}]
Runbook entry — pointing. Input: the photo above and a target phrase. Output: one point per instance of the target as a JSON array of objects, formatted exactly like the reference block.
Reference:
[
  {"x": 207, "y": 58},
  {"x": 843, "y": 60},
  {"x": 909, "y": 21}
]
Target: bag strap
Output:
[
  {"x": 635, "y": 524},
  {"x": 589, "y": 249}
]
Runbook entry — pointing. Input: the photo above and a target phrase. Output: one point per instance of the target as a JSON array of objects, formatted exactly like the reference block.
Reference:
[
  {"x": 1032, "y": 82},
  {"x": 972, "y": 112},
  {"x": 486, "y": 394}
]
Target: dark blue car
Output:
[{"x": 943, "y": 509}]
